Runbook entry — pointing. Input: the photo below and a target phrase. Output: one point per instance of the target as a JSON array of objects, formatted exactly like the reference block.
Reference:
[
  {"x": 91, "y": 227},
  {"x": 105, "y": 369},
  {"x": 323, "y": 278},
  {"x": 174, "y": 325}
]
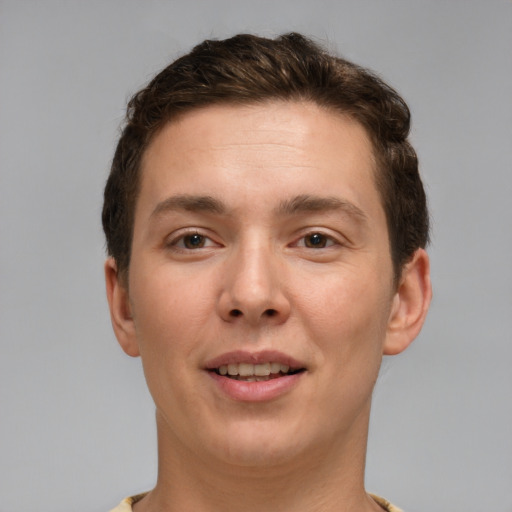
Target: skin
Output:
[{"x": 297, "y": 260}]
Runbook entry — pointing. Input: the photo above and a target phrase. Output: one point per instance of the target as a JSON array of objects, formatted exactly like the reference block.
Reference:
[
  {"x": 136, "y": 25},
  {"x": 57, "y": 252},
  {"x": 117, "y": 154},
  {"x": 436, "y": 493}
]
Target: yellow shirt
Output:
[{"x": 126, "y": 504}]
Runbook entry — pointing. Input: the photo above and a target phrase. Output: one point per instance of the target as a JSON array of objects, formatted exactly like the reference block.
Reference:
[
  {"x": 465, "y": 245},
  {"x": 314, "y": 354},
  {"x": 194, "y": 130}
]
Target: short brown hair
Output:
[{"x": 249, "y": 69}]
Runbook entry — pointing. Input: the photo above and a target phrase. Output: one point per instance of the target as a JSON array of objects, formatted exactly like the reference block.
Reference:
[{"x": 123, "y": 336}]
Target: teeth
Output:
[
  {"x": 262, "y": 370},
  {"x": 252, "y": 370},
  {"x": 275, "y": 367},
  {"x": 245, "y": 370}
]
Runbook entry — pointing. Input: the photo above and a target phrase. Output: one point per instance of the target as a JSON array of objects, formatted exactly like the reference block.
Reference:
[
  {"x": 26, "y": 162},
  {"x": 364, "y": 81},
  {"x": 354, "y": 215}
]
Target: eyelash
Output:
[
  {"x": 328, "y": 240},
  {"x": 179, "y": 242}
]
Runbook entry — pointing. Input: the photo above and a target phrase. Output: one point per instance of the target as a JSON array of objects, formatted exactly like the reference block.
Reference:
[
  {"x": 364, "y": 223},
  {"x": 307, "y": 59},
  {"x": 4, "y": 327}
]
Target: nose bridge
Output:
[{"x": 252, "y": 286}]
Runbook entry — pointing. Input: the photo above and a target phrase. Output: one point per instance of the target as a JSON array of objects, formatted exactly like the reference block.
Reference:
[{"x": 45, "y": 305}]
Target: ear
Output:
[
  {"x": 120, "y": 309},
  {"x": 410, "y": 304}
]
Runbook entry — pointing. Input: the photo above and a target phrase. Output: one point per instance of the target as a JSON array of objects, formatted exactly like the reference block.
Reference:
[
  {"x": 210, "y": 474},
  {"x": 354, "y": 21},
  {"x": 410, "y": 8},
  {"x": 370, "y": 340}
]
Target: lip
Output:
[
  {"x": 258, "y": 391},
  {"x": 244, "y": 356},
  {"x": 263, "y": 391}
]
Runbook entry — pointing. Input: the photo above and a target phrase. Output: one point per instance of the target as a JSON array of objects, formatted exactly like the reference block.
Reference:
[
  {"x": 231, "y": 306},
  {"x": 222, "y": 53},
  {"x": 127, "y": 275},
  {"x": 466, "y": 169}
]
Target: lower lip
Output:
[{"x": 261, "y": 391}]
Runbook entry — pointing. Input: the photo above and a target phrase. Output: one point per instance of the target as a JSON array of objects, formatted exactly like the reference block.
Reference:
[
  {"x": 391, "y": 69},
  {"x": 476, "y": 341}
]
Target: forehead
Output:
[{"x": 260, "y": 152}]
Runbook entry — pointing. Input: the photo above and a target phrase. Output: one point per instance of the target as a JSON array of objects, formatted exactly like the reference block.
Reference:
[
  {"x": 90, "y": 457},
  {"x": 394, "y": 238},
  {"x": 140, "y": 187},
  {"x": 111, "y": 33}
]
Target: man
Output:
[{"x": 266, "y": 226}]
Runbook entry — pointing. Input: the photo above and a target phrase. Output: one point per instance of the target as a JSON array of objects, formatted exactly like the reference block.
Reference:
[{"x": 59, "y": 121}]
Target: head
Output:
[
  {"x": 264, "y": 214},
  {"x": 247, "y": 70}
]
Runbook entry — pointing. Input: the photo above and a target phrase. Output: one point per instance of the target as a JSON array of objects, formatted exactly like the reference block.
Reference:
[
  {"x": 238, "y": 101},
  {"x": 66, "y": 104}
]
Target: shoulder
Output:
[
  {"x": 126, "y": 504},
  {"x": 385, "y": 504}
]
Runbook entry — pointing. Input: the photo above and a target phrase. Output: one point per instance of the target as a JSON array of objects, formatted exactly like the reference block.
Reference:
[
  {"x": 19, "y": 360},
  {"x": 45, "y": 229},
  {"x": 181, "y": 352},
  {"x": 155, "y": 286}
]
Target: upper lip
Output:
[{"x": 243, "y": 356}]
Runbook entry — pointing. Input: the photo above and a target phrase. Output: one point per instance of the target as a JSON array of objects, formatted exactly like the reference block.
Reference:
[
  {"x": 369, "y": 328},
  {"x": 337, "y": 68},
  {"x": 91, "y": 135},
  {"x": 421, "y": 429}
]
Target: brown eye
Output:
[
  {"x": 315, "y": 241},
  {"x": 194, "y": 241}
]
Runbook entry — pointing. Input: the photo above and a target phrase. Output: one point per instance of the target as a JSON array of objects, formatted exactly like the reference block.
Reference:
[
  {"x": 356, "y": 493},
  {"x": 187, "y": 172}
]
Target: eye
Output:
[
  {"x": 316, "y": 240},
  {"x": 191, "y": 241}
]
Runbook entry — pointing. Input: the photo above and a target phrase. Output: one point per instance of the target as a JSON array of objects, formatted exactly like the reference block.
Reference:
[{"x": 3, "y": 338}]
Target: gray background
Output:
[{"x": 76, "y": 423}]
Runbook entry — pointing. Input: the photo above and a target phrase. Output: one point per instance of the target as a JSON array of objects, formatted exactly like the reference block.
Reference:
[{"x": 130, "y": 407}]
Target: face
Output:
[{"x": 260, "y": 293}]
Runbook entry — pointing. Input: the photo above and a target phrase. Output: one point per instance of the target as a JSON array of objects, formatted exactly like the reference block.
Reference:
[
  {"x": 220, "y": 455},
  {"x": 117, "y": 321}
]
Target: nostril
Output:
[
  {"x": 235, "y": 312},
  {"x": 270, "y": 312}
]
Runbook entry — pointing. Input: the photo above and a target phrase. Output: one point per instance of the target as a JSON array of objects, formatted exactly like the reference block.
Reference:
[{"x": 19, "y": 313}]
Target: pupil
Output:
[
  {"x": 315, "y": 240},
  {"x": 193, "y": 241}
]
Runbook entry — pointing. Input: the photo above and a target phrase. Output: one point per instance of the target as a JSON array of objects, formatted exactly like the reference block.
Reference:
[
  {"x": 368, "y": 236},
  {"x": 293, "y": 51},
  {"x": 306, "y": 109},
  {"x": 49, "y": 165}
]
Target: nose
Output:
[{"x": 253, "y": 289}]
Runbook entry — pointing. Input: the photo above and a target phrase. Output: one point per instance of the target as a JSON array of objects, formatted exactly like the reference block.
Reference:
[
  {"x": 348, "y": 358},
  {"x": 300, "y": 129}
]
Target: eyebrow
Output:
[
  {"x": 304, "y": 203},
  {"x": 189, "y": 203},
  {"x": 308, "y": 203}
]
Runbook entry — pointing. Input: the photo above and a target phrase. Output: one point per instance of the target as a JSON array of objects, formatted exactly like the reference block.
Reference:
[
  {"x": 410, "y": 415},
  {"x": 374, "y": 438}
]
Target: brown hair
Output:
[{"x": 248, "y": 69}]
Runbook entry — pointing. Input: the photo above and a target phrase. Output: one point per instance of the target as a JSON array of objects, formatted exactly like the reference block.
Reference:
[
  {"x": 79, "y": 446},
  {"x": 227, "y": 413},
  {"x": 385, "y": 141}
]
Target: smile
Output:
[
  {"x": 259, "y": 376},
  {"x": 249, "y": 372}
]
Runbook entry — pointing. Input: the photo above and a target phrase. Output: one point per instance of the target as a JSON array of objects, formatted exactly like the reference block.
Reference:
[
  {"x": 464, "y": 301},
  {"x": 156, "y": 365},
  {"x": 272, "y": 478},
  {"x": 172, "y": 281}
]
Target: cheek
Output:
[
  {"x": 172, "y": 311},
  {"x": 166, "y": 323},
  {"x": 348, "y": 313}
]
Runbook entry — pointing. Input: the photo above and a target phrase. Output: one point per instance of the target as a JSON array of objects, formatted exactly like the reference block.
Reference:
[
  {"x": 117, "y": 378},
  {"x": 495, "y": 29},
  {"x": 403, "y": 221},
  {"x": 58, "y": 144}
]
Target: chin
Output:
[{"x": 258, "y": 445}]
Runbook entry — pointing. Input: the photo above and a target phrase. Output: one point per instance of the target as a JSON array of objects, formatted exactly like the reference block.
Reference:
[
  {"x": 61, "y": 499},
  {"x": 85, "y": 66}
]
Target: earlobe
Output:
[
  {"x": 120, "y": 309},
  {"x": 410, "y": 304}
]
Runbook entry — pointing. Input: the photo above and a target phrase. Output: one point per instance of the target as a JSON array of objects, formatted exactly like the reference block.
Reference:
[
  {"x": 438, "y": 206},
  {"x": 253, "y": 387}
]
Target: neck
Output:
[{"x": 327, "y": 478}]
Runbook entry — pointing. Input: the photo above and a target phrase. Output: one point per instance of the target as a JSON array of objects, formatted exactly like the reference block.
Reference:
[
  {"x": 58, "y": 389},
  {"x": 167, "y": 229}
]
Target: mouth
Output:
[
  {"x": 260, "y": 372},
  {"x": 253, "y": 377}
]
